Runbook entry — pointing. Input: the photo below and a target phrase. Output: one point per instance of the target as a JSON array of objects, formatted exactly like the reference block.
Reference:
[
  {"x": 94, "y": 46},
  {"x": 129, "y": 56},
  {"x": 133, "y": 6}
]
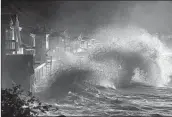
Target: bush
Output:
[{"x": 17, "y": 103}]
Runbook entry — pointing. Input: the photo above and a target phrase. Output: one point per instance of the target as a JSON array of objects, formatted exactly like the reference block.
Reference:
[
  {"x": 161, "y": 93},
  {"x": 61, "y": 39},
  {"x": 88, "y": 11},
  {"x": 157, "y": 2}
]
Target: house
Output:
[
  {"x": 28, "y": 42},
  {"x": 81, "y": 43},
  {"x": 75, "y": 44},
  {"x": 16, "y": 66},
  {"x": 87, "y": 42},
  {"x": 12, "y": 34},
  {"x": 59, "y": 39},
  {"x": 40, "y": 43}
]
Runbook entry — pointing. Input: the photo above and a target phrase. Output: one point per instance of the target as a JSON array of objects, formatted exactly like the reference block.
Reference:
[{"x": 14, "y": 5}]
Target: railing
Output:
[
  {"x": 37, "y": 76},
  {"x": 42, "y": 72}
]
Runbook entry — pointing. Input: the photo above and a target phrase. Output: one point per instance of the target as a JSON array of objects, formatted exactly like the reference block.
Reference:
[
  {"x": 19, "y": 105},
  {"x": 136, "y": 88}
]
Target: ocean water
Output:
[
  {"x": 102, "y": 101},
  {"x": 126, "y": 76}
]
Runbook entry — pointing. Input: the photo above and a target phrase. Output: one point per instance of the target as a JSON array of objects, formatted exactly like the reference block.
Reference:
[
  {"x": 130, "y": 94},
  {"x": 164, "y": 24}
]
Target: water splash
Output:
[
  {"x": 126, "y": 57},
  {"x": 138, "y": 49},
  {"x": 133, "y": 55}
]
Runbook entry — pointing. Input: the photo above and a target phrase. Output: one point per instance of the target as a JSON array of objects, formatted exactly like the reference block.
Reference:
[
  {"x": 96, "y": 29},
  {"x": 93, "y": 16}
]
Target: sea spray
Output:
[
  {"x": 115, "y": 64},
  {"x": 148, "y": 49},
  {"x": 136, "y": 60}
]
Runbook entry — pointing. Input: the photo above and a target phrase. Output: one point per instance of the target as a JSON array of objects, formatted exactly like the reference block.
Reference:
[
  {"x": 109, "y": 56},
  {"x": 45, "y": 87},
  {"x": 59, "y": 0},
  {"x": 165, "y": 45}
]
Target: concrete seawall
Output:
[{"x": 17, "y": 69}]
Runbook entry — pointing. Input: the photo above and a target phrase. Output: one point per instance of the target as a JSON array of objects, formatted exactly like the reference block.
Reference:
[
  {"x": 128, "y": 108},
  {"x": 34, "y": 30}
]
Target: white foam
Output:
[{"x": 134, "y": 39}]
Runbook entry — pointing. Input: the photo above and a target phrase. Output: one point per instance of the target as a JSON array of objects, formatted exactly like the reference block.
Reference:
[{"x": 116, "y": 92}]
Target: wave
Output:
[
  {"x": 136, "y": 55},
  {"x": 115, "y": 64},
  {"x": 123, "y": 64}
]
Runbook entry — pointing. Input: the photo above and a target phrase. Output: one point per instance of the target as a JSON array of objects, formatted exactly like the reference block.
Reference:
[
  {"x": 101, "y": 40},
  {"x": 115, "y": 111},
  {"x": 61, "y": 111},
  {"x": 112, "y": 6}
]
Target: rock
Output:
[{"x": 156, "y": 115}]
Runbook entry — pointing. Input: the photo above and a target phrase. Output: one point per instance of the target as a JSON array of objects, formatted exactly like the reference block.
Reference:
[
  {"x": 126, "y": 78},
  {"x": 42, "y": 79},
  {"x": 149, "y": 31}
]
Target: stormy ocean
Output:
[{"x": 128, "y": 74}]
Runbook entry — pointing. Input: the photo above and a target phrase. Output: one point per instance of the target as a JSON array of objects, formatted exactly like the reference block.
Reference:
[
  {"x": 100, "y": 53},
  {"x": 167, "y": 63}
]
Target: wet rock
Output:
[
  {"x": 61, "y": 116},
  {"x": 156, "y": 115}
]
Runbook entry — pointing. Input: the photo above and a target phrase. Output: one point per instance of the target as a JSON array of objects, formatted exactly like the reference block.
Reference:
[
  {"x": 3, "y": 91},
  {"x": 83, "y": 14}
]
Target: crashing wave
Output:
[
  {"x": 140, "y": 57},
  {"x": 135, "y": 50}
]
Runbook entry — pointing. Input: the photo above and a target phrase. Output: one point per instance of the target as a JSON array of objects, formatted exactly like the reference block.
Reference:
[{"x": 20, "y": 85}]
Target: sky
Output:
[{"x": 87, "y": 16}]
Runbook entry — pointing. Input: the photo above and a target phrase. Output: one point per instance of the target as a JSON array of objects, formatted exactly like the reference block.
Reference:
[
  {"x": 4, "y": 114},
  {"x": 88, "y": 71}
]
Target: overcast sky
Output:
[{"x": 86, "y": 16}]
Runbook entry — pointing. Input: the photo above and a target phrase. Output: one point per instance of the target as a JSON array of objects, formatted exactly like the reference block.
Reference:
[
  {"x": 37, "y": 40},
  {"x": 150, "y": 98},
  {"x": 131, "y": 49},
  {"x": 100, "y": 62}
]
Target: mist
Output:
[
  {"x": 154, "y": 16},
  {"x": 88, "y": 16}
]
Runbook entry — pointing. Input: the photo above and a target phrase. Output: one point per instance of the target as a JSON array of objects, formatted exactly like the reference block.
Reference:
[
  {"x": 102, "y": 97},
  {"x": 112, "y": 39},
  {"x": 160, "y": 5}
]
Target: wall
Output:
[
  {"x": 40, "y": 47},
  {"x": 4, "y": 25},
  {"x": 26, "y": 38},
  {"x": 18, "y": 69}
]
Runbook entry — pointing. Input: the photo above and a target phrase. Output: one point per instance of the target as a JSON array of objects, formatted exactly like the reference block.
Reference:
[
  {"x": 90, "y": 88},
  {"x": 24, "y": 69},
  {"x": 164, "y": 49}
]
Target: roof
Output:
[
  {"x": 74, "y": 38},
  {"x": 86, "y": 38}
]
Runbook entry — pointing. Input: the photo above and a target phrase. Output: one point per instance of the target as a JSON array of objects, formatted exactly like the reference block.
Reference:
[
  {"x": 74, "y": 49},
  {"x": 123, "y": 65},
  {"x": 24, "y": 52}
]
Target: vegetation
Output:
[{"x": 17, "y": 103}]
